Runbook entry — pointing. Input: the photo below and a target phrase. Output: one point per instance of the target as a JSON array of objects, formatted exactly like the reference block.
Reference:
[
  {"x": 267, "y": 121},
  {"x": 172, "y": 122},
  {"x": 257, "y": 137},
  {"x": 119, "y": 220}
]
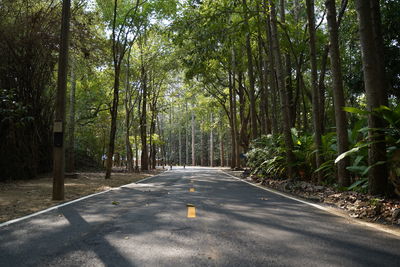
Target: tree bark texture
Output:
[
  {"x": 338, "y": 95},
  {"x": 250, "y": 69},
  {"x": 314, "y": 85},
  {"x": 193, "y": 140},
  {"x": 70, "y": 164},
  {"x": 374, "y": 82},
  {"x": 283, "y": 94}
]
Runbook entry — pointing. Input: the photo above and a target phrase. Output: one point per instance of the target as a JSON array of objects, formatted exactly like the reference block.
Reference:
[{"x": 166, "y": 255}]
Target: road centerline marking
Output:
[{"x": 191, "y": 211}]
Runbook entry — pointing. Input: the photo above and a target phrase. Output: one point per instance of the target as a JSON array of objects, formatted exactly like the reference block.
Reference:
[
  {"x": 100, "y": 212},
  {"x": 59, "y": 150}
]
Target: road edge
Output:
[
  {"x": 330, "y": 210},
  {"x": 6, "y": 223}
]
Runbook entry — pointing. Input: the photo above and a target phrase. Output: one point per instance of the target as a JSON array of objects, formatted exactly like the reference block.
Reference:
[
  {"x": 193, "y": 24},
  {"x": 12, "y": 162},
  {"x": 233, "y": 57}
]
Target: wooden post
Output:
[{"x": 59, "y": 123}]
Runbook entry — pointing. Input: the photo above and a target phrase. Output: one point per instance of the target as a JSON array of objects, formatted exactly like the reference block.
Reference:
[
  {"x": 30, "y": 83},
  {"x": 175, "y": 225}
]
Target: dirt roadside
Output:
[{"x": 20, "y": 198}]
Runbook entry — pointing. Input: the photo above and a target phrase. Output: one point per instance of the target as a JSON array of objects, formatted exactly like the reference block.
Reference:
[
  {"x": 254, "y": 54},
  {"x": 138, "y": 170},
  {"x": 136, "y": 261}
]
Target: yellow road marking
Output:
[
  {"x": 191, "y": 213},
  {"x": 191, "y": 189}
]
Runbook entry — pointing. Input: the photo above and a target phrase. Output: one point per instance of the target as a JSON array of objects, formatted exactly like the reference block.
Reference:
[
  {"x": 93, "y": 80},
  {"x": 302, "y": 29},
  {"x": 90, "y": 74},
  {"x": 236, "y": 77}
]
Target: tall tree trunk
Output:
[
  {"x": 271, "y": 72},
  {"x": 250, "y": 69},
  {"x": 186, "y": 136},
  {"x": 221, "y": 146},
  {"x": 193, "y": 140},
  {"x": 211, "y": 144},
  {"x": 322, "y": 89},
  {"x": 288, "y": 70},
  {"x": 70, "y": 164},
  {"x": 136, "y": 152},
  {"x": 202, "y": 162},
  {"x": 128, "y": 112},
  {"x": 128, "y": 145},
  {"x": 153, "y": 149},
  {"x": 283, "y": 95},
  {"x": 235, "y": 157},
  {"x": 264, "y": 103},
  {"x": 180, "y": 144},
  {"x": 244, "y": 119},
  {"x": 374, "y": 82},
  {"x": 114, "y": 108},
  {"x": 113, "y": 129},
  {"x": 144, "y": 160},
  {"x": 314, "y": 85},
  {"x": 58, "y": 150},
  {"x": 338, "y": 95},
  {"x": 232, "y": 121}
]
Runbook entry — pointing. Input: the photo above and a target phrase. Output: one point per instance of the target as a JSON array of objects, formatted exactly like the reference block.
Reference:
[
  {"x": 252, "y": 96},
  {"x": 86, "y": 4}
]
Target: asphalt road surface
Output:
[{"x": 231, "y": 223}]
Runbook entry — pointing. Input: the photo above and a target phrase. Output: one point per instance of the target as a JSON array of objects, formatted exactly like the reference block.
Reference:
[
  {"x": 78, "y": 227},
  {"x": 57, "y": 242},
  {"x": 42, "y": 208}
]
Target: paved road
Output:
[{"x": 236, "y": 224}]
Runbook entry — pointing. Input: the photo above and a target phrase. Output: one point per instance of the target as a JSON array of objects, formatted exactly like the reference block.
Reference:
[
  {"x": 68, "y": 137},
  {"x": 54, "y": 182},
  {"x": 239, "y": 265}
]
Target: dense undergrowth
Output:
[{"x": 267, "y": 154}]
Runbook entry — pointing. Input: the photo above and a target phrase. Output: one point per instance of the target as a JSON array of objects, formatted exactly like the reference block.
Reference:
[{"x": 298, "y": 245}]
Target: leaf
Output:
[
  {"x": 357, "y": 183},
  {"x": 347, "y": 153},
  {"x": 356, "y": 110}
]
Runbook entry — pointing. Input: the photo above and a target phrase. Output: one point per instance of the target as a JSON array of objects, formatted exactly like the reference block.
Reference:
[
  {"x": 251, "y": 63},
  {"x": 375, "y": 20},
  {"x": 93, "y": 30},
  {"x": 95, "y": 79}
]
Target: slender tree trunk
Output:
[
  {"x": 193, "y": 140},
  {"x": 170, "y": 158},
  {"x": 221, "y": 146},
  {"x": 283, "y": 94},
  {"x": 235, "y": 157},
  {"x": 322, "y": 89},
  {"x": 374, "y": 82},
  {"x": 250, "y": 67},
  {"x": 244, "y": 119},
  {"x": 271, "y": 72},
  {"x": 180, "y": 145},
  {"x": 314, "y": 85},
  {"x": 232, "y": 122},
  {"x": 128, "y": 145},
  {"x": 58, "y": 150},
  {"x": 186, "y": 136},
  {"x": 288, "y": 71},
  {"x": 264, "y": 103},
  {"x": 136, "y": 152},
  {"x": 128, "y": 111},
  {"x": 144, "y": 160},
  {"x": 113, "y": 129},
  {"x": 153, "y": 149},
  {"x": 114, "y": 109},
  {"x": 202, "y": 162},
  {"x": 70, "y": 164},
  {"x": 338, "y": 95},
  {"x": 211, "y": 144}
]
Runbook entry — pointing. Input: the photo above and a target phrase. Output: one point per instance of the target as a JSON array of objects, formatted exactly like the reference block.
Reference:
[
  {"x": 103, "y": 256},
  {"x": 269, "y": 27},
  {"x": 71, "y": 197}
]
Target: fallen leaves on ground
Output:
[
  {"x": 357, "y": 205},
  {"x": 20, "y": 198}
]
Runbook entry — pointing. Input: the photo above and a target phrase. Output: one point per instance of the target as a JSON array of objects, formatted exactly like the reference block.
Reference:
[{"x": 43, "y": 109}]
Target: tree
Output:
[
  {"x": 121, "y": 37},
  {"x": 338, "y": 95},
  {"x": 314, "y": 85},
  {"x": 70, "y": 149},
  {"x": 283, "y": 94},
  {"x": 374, "y": 82}
]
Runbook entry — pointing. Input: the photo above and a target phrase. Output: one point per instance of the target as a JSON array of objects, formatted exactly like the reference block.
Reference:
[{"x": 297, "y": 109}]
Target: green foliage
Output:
[
  {"x": 267, "y": 156},
  {"x": 359, "y": 152}
]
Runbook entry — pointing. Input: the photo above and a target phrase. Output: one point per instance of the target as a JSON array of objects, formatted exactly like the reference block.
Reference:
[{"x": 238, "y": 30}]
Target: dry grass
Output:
[{"x": 20, "y": 198}]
